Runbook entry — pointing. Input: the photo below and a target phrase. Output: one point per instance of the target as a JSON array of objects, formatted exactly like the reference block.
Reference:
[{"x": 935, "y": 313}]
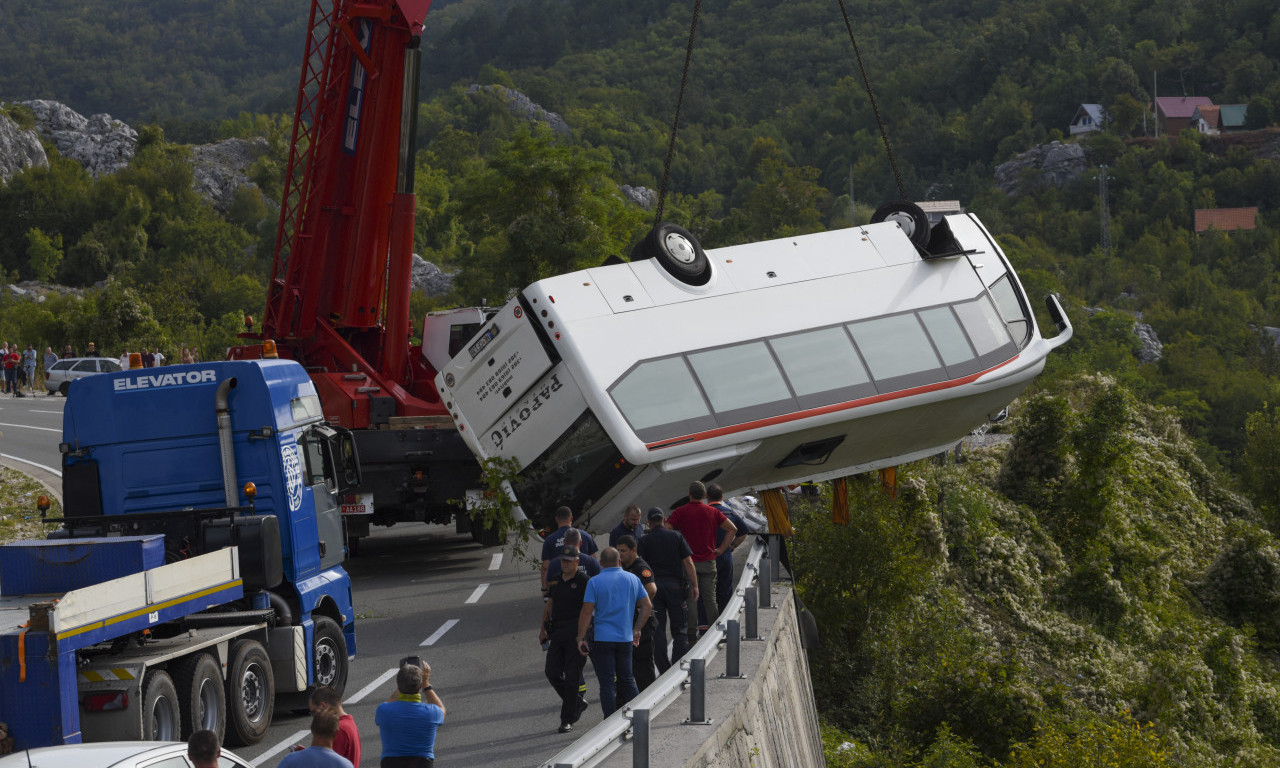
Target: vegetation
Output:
[
  {"x": 19, "y": 515},
  {"x": 1102, "y": 590}
]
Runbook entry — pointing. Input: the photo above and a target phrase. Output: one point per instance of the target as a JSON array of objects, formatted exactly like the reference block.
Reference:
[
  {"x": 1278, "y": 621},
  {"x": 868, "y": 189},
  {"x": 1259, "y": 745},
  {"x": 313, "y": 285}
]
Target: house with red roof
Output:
[
  {"x": 1226, "y": 219},
  {"x": 1174, "y": 113}
]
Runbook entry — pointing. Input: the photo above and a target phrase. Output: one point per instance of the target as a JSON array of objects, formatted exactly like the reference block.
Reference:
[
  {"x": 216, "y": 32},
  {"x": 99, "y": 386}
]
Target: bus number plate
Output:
[{"x": 479, "y": 344}]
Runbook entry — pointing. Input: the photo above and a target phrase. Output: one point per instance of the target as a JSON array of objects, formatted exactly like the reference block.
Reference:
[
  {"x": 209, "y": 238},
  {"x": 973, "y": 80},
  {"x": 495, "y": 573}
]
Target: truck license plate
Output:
[{"x": 357, "y": 504}]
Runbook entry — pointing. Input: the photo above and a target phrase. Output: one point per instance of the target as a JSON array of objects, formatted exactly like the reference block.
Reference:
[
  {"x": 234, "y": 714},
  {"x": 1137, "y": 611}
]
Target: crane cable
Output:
[
  {"x": 866, "y": 82},
  {"x": 675, "y": 124},
  {"x": 684, "y": 79}
]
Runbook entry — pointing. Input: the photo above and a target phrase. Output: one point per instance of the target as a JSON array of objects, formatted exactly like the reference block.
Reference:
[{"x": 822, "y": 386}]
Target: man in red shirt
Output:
[
  {"x": 11, "y": 359},
  {"x": 347, "y": 742},
  {"x": 698, "y": 522}
]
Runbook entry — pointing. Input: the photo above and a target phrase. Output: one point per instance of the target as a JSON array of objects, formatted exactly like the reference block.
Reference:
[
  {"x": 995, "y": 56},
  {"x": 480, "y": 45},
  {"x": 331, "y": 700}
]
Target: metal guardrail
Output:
[{"x": 634, "y": 717}]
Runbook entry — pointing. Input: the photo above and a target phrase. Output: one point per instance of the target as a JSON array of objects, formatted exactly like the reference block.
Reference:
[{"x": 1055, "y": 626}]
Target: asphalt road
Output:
[{"x": 471, "y": 612}]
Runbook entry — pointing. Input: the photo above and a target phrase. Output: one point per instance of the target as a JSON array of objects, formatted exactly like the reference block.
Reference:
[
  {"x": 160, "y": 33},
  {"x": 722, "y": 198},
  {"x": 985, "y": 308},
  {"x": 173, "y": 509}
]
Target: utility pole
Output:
[
  {"x": 1155, "y": 106},
  {"x": 853, "y": 216}
]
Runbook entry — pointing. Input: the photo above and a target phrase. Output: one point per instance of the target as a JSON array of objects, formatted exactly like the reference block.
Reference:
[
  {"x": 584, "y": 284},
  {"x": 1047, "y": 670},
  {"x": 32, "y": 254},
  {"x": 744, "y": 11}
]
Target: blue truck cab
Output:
[{"x": 197, "y": 572}]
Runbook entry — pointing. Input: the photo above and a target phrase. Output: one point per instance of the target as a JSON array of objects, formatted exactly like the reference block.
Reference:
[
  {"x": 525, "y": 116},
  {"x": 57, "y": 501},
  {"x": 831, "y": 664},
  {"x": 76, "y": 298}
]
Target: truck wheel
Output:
[
  {"x": 329, "y": 655},
  {"x": 160, "y": 718},
  {"x": 204, "y": 699},
  {"x": 251, "y": 693}
]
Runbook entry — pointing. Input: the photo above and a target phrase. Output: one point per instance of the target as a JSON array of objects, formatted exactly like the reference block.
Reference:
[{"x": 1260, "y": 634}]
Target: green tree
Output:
[{"x": 44, "y": 254}]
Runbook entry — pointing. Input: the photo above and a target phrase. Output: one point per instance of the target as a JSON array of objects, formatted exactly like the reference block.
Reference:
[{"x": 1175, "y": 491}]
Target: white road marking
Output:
[
  {"x": 475, "y": 596},
  {"x": 496, "y": 562},
  {"x": 277, "y": 749},
  {"x": 56, "y": 413},
  {"x": 371, "y": 687},
  {"x": 50, "y": 470},
  {"x": 439, "y": 633},
  {"x": 24, "y": 426}
]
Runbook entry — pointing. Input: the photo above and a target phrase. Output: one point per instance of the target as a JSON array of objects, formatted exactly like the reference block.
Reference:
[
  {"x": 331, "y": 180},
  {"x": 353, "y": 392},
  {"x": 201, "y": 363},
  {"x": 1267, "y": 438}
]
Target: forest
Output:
[{"x": 1094, "y": 563}]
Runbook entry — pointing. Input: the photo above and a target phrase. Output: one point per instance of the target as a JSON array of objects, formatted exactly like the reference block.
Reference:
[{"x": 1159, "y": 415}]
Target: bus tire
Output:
[
  {"x": 251, "y": 693},
  {"x": 328, "y": 654},
  {"x": 161, "y": 720},
  {"x": 203, "y": 697},
  {"x": 907, "y": 215},
  {"x": 677, "y": 251}
]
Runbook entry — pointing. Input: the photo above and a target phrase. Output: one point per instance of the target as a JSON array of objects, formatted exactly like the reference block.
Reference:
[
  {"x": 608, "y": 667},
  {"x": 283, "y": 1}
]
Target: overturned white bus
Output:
[{"x": 803, "y": 358}]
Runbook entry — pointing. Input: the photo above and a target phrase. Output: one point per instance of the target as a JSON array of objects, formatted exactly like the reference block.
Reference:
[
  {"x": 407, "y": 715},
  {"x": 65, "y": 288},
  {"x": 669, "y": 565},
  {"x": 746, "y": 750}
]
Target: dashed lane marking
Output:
[
  {"x": 475, "y": 596},
  {"x": 496, "y": 562},
  {"x": 28, "y": 426},
  {"x": 371, "y": 687},
  {"x": 439, "y": 633},
  {"x": 277, "y": 749}
]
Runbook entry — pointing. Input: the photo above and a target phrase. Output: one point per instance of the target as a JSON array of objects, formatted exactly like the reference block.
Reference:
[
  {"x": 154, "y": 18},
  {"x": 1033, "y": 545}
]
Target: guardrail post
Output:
[
  {"x": 766, "y": 584},
  {"x": 697, "y": 693},
  {"x": 775, "y": 556},
  {"x": 732, "y": 651},
  {"x": 639, "y": 738},
  {"x": 752, "y": 632}
]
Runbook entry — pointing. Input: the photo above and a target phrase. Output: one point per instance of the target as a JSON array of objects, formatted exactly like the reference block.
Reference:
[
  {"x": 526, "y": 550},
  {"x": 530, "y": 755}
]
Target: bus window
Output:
[
  {"x": 947, "y": 335},
  {"x": 896, "y": 347},
  {"x": 822, "y": 366},
  {"x": 662, "y": 394},
  {"x": 1014, "y": 314},
  {"x": 577, "y": 469},
  {"x": 984, "y": 325},
  {"x": 743, "y": 382}
]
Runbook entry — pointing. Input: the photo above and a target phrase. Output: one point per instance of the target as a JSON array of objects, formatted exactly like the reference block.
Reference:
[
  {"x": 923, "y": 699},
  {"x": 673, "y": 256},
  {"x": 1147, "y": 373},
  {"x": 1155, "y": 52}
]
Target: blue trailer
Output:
[{"x": 196, "y": 580}]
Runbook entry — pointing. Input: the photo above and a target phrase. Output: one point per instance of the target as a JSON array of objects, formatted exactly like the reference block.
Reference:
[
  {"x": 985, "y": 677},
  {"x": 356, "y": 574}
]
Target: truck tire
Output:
[
  {"x": 203, "y": 696},
  {"x": 160, "y": 717},
  {"x": 251, "y": 693},
  {"x": 329, "y": 654}
]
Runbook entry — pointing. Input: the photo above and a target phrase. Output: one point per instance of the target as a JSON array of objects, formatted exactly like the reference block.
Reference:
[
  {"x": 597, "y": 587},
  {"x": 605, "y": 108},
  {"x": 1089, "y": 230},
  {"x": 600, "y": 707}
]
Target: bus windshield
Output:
[{"x": 576, "y": 470}]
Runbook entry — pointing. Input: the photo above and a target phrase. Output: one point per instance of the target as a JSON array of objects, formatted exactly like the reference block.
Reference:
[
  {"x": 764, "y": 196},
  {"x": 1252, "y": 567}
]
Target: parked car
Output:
[
  {"x": 114, "y": 754},
  {"x": 59, "y": 377}
]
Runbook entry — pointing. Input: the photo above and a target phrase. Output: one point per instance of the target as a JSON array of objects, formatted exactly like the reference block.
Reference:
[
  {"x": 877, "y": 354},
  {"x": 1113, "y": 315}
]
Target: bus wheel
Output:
[
  {"x": 251, "y": 693},
  {"x": 329, "y": 651},
  {"x": 907, "y": 215},
  {"x": 160, "y": 719},
  {"x": 677, "y": 251},
  {"x": 204, "y": 699}
]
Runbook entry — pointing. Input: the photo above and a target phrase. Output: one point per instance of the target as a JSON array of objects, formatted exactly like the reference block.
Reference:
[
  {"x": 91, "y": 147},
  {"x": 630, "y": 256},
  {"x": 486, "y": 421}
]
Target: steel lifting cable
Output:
[
  {"x": 866, "y": 82},
  {"x": 675, "y": 124}
]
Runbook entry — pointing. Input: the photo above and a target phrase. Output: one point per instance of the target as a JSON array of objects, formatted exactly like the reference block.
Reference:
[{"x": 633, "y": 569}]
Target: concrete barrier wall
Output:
[{"x": 767, "y": 719}]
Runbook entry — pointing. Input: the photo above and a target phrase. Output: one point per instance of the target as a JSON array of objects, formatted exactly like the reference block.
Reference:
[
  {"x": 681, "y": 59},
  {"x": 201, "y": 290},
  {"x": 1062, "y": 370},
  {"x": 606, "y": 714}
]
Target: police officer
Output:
[
  {"x": 668, "y": 554},
  {"x": 560, "y": 627},
  {"x": 642, "y": 657}
]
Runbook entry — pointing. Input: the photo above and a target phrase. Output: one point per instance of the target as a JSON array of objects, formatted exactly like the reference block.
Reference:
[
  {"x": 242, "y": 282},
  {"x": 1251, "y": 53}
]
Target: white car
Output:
[
  {"x": 59, "y": 377},
  {"x": 114, "y": 754}
]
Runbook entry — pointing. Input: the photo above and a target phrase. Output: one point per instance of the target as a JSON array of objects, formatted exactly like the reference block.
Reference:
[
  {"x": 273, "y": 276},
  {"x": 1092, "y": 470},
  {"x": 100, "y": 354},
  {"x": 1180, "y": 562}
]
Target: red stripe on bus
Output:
[{"x": 826, "y": 409}]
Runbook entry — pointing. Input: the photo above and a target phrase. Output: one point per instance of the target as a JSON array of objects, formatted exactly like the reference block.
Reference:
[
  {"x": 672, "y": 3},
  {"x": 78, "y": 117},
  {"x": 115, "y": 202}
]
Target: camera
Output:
[{"x": 415, "y": 661}]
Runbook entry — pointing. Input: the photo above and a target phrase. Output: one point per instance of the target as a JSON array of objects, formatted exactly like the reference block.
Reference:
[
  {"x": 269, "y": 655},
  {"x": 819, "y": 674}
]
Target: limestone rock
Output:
[
  {"x": 100, "y": 143},
  {"x": 1054, "y": 164},
  {"x": 220, "y": 169},
  {"x": 19, "y": 149},
  {"x": 429, "y": 278},
  {"x": 1152, "y": 349},
  {"x": 642, "y": 196},
  {"x": 522, "y": 106}
]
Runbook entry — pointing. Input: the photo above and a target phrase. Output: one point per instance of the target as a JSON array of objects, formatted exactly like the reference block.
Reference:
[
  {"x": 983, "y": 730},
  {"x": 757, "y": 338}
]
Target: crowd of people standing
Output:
[
  {"x": 616, "y": 605},
  {"x": 24, "y": 370}
]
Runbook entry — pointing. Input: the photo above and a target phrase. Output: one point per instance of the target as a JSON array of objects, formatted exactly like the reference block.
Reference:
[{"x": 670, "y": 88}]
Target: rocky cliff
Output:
[
  {"x": 100, "y": 143},
  {"x": 19, "y": 149},
  {"x": 1054, "y": 164}
]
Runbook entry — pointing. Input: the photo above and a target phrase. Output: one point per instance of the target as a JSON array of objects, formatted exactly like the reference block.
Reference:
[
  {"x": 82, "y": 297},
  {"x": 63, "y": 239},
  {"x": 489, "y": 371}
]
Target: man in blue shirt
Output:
[
  {"x": 324, "y": 728},
  {"x": 630, "y": 526},
  {"x": 611, "y": 600},
  {"x": 555, "y": 541},
  {"x": 408, "y": 720}
]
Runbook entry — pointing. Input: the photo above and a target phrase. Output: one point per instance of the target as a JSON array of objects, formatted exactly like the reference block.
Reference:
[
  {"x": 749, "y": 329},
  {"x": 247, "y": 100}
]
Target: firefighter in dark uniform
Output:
[
  {"x": 668, "y": 554},
  {"x": 642, "y": 656},
  {"x": 560, "y": 629}
]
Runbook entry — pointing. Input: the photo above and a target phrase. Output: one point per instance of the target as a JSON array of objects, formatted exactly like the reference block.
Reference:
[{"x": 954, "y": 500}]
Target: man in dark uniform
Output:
[
  {"x": 555, "y": 540},
  {"x": 630, "y": 526},
  {"x": 560, "y": 627},
  {"x": 724, "y": 563},
  {"x": 668, "y": 554},
  {"x": 642, "y": 656}
]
